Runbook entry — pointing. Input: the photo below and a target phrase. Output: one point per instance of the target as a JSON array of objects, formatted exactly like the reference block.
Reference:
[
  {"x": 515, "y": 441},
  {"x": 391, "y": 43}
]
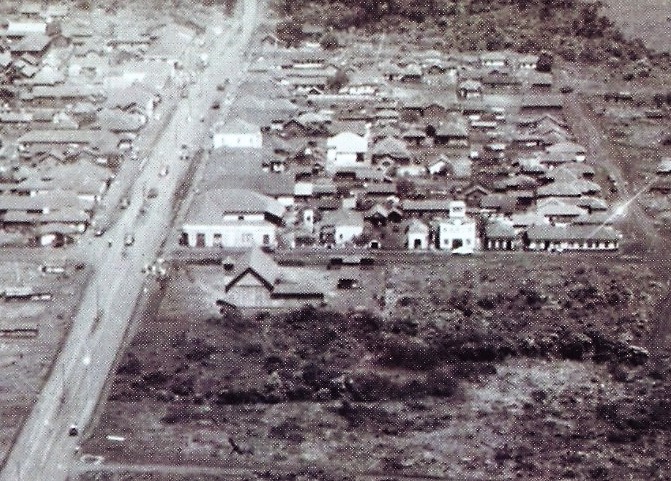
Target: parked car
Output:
[
  {"x": 129, "y": 240},
  {"x": 152, "y": 193},
  {"x": 73, "y": 430},
  {"x": 124, "y": 202}
]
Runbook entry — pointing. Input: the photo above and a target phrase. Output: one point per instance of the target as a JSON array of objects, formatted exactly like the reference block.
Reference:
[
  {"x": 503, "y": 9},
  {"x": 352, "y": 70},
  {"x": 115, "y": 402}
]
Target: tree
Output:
[
  {"x": 545, "y": 61},
  {"x": 290, "y": 33},
  {"x": 338, "y": 81},
  {"x": 405, "y": 188},
  {"x": 329, "y": 41}
]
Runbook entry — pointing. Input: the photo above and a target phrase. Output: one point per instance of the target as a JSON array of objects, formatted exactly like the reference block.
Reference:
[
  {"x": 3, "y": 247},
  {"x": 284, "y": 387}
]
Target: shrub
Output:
[
  {"x": 155, "y": 378},
  {"x": 407, "y": 353},
  {"x": 198, "y": 350},
  {"x": 130, "y": 366},
  {"x": 441, "y": 383}
]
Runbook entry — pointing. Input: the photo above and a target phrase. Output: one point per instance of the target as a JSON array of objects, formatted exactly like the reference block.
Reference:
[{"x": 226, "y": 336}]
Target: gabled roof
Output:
[
  {"x": 259, "y": 264},
  {"x": 31, "y": 43},
  {"x": 476, "y": 188},
  {"x": 413, "y": 132},
  {"x": 500, "y": 202},
  {"x": 589, "y": 202},
  {"x": 416, "y": 226},
  {"x": 559, "y": 189},
  {"x": 392, "y": 147},
  {"x": 342, "y": 217},
  {"x": 470, "y": 85},
  {"x": 455, "y": 127},
  {"x": 554, "y": 207},
  {"x": 566, "y": 147},
  {"x": 499, "y": 229},
  {"x": 594, "y": 219},
  {"x": 89, "y": 137},
  {"x": 426, "y": 205},
  {"x": 542, "y": 101},
  {"x": 348, "y": 138},
  {"x": 376, "y": 211},
  {"x": 236, "y": 126},
  {"x": 267, "y": 183},
  {"x": 572, "y": 233},
  {"x": 526, "y": 219},
  {"x": 209, "y": 207}
]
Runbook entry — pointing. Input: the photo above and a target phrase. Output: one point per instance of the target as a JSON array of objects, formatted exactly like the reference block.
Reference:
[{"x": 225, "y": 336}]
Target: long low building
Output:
[
  {"x": 232, "y": 218},
  {"x": 60, "y": 137},
  {"x": 571, "y": 237}
]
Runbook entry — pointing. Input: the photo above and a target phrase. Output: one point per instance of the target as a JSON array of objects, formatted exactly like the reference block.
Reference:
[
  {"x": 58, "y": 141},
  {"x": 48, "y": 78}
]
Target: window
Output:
[
  {"x": 241, "y": 217},
  {"x": 216, "y": 240},
  {"x": 266, "y": 239},
  {"x": 247, "y": 238}
]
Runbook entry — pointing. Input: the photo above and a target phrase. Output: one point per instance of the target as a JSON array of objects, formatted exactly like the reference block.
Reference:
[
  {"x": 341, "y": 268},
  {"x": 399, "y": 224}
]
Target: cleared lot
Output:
[
  {"x": 475, "y": 369},
  {"x": 32, "y": 331}
]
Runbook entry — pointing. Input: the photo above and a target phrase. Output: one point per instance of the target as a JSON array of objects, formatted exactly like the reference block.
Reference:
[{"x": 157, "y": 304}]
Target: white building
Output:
[
  {"x": 528, "y": 62},
  {"x": 417, "y": 235},
  {"x": 341, "y": 227},
  {"x": 345, "y": 150},
  {"x": 22, "y": 28},
  {"x": 232, "y": 218},
  {"x": 458, "y": 232},
  {"x": 236, "y": 133}
]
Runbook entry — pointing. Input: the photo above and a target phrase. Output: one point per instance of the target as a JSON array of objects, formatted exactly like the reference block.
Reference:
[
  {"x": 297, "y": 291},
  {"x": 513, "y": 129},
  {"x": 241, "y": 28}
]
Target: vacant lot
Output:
[
  {"x": 644, "y": 19},
  {"x": 25, "y": 361},
  {"x": 479, "y": 368}
]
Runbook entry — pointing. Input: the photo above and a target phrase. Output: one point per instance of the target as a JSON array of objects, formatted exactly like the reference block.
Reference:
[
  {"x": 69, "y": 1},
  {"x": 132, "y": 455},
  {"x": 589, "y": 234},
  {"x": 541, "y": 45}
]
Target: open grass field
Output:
[
  {"x": 645, "y": 19},
  {"x": 479, "y": 368}
]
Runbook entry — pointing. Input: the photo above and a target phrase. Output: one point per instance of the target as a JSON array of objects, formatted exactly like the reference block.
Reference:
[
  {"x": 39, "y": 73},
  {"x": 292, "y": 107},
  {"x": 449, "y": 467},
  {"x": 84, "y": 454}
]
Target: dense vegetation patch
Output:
[{"x": 572, "y": 29}]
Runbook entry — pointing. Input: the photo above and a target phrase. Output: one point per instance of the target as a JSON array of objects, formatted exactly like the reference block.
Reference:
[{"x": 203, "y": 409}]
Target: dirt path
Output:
[
  {"x": 656, "y": 246},
  {"x": 116, "y": 470}
]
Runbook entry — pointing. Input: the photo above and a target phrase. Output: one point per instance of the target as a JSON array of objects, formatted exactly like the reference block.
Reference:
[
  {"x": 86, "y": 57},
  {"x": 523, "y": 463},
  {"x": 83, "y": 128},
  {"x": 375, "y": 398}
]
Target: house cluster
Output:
[
  {"x": 77, "y": 89},
  {"x": 398, "y": 149}
]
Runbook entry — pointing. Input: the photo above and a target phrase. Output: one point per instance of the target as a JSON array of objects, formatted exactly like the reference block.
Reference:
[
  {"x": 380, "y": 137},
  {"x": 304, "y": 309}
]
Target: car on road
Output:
[
  {"x": 152, "y": 193},
  {"x": 124, "y": 202},
  {"x": 129, "y": 240},
  {"x": 99, "y": 231},
  {"x": 216, "y": 105},
  {"x": 164, "y": 171},
  {"x": 223, "y": 85}
]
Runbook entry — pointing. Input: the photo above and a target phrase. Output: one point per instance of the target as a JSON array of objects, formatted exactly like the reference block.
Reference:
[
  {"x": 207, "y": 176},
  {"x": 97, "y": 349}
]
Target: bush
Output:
[
  {"x": 329, "y": 41},
  {"x": 180, "y": 413},
  {"x": 155, "y": 378},
  {"x": 441, "y": 383},
  {"x": 130, "y": 366},
  {"x": 407, "y": 353},
  {"x": 369, "y": 387},
  {"x": 198, "y": 350}
]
